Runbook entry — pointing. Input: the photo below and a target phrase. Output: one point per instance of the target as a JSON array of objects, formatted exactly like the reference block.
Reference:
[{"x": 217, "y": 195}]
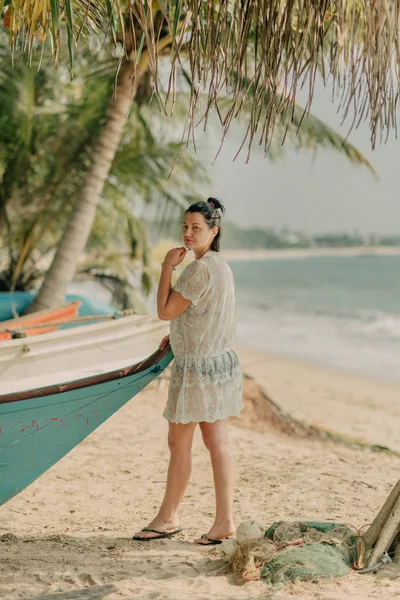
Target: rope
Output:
[{"x": 256, "y": 578}]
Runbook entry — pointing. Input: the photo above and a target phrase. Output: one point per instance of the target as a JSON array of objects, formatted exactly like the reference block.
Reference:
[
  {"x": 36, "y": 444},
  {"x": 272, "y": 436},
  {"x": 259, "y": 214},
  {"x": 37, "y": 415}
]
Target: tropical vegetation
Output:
[
  {"x": 47, "y": 129},
  {"x": 240, "y": 59}
]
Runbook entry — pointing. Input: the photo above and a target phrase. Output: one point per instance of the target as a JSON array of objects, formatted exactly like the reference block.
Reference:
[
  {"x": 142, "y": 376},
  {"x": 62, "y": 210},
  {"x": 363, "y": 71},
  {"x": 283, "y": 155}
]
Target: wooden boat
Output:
[
  {"x": 54, "y": 317},
  {"x": 78, "y": 352},
  {"x": 16, "y": 303},
  {"x": 40, "y": 426}
]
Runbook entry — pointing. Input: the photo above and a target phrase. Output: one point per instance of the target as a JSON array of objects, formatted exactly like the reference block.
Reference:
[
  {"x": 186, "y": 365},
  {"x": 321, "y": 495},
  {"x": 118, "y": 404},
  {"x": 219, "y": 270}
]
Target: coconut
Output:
[
  {"x": 248, "y": 531},
  {"x": 228, "y": 548}
]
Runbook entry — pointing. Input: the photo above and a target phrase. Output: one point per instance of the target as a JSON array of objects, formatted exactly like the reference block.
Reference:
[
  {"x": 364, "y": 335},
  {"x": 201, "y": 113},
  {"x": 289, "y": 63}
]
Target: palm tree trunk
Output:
[{"x": 73, "y": 242}]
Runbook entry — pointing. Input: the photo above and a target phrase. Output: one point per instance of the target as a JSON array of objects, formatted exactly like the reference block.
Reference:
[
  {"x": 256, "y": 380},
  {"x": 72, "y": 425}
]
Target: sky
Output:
[{"x": 304, "y": 192}]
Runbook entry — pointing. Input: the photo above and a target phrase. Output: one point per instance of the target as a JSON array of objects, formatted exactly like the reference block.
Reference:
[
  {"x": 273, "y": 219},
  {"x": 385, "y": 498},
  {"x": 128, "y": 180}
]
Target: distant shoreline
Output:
[{"x": 265, "y": 254}]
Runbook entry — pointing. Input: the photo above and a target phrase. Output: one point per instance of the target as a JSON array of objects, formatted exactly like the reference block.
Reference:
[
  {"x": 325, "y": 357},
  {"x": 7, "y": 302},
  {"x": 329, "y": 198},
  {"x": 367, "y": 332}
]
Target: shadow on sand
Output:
[{"x": 64, "y": 567}]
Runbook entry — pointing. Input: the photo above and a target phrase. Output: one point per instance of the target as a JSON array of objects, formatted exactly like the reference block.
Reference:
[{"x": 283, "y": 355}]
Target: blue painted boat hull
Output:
[{"x": 37, "y": 431}]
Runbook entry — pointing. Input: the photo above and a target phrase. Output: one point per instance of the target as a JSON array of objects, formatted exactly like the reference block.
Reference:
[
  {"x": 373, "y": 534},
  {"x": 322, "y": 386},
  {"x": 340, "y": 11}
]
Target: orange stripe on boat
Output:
[{"x": 62, "y": 314}]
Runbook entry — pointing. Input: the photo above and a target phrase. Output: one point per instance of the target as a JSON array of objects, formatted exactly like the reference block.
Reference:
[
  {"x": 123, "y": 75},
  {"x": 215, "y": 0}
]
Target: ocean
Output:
[{"x": 337, "y": 311}]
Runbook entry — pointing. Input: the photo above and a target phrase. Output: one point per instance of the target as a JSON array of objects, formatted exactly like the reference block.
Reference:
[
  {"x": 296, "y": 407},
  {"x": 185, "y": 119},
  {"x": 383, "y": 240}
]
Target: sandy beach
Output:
[
  {"x": 71, "y": 529},
  {"x": 265, "y": 254}
]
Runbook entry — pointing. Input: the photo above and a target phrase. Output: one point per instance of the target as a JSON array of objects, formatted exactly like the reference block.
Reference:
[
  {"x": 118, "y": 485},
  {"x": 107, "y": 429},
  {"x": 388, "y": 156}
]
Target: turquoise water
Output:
[{"x": 338, "y": 311}]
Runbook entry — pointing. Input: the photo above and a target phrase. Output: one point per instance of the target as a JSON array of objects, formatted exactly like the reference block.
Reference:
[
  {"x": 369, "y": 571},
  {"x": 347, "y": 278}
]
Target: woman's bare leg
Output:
[
  {"x": 180, "y": 439},
  {"x": 215, "y": 437}
]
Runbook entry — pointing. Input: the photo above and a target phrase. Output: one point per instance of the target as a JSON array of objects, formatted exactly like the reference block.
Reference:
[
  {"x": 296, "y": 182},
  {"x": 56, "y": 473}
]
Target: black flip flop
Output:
[
  {"x": 161, "y": 534},
  {"x": 210, "y": 541}
]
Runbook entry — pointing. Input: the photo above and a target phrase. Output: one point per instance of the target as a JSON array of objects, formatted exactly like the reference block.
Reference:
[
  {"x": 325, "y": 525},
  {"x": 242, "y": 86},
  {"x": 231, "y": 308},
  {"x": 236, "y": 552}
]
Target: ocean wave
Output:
[
  {"x": 367, "y": 323},
  {"x": 338, "y": 312},
  {"x": 357, "y": 340}
]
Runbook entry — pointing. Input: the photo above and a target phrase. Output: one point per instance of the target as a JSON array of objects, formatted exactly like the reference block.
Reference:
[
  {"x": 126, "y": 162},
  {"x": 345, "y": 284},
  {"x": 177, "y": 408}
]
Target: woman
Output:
[{"x": 206, "y": 378}]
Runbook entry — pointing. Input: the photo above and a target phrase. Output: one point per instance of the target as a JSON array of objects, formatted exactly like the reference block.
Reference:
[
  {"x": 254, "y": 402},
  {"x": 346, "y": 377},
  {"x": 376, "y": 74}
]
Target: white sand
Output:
[{"x": 74, "y": 523}]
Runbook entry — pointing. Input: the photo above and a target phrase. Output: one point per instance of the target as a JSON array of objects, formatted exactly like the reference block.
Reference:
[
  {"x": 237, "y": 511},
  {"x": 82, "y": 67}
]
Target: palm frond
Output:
[
  {"x": 277, "y": 45},
  {"x": 309, "y": 132},
  {"x": 304, "y": 131}
]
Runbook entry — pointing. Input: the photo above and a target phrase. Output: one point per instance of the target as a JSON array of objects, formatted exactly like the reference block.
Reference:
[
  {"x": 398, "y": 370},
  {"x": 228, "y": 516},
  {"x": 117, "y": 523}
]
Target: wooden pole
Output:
[
  {"x": 372, "y": 534},
  {"x": 388, "y": 533}
]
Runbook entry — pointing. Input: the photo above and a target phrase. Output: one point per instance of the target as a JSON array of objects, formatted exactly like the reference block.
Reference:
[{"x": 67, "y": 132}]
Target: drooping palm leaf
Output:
[
  {"x": 355, "y": 42},
  {"x": 304, "y": 131}
]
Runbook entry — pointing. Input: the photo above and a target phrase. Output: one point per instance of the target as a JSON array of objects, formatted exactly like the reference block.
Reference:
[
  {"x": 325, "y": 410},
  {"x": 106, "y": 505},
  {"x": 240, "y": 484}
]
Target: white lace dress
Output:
[{"x": 206, "y": 378}]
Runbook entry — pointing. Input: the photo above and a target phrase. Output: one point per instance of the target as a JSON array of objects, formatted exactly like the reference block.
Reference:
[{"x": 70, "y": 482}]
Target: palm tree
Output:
[
  {"x": 38, "y": 203},
  {"x": 73, "y": 242},
  {"x": 259, "y": 51}
]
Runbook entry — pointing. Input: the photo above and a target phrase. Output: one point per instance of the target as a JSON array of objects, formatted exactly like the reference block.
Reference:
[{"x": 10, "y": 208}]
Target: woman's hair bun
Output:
[{"x": 216, "y": 204}]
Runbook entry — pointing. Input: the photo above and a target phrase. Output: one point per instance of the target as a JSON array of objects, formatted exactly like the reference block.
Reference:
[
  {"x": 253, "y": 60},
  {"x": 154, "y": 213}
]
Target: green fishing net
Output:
[
  {"x": 307, "y": 562},
  {"x": 301, "y": 550},
  {"x": 309, "y": 550}
]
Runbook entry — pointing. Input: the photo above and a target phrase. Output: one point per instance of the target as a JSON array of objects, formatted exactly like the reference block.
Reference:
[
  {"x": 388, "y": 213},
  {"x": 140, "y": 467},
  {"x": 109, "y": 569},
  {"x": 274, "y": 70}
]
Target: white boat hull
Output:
[{"x": 78, "y": 352}]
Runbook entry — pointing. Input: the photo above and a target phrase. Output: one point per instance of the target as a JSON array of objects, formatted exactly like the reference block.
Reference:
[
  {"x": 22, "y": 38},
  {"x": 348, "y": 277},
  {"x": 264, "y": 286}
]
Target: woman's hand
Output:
[
  {"x": 164, "y": 342},
  {"x": 175, "y": 256}
]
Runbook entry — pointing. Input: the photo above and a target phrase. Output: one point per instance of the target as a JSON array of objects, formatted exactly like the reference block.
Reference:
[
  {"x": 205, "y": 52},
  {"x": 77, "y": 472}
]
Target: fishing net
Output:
[
  {"x": 305, "y": 550},
  {"x": 250, "y": 557},
  {"x": 308, "y": 562}
]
